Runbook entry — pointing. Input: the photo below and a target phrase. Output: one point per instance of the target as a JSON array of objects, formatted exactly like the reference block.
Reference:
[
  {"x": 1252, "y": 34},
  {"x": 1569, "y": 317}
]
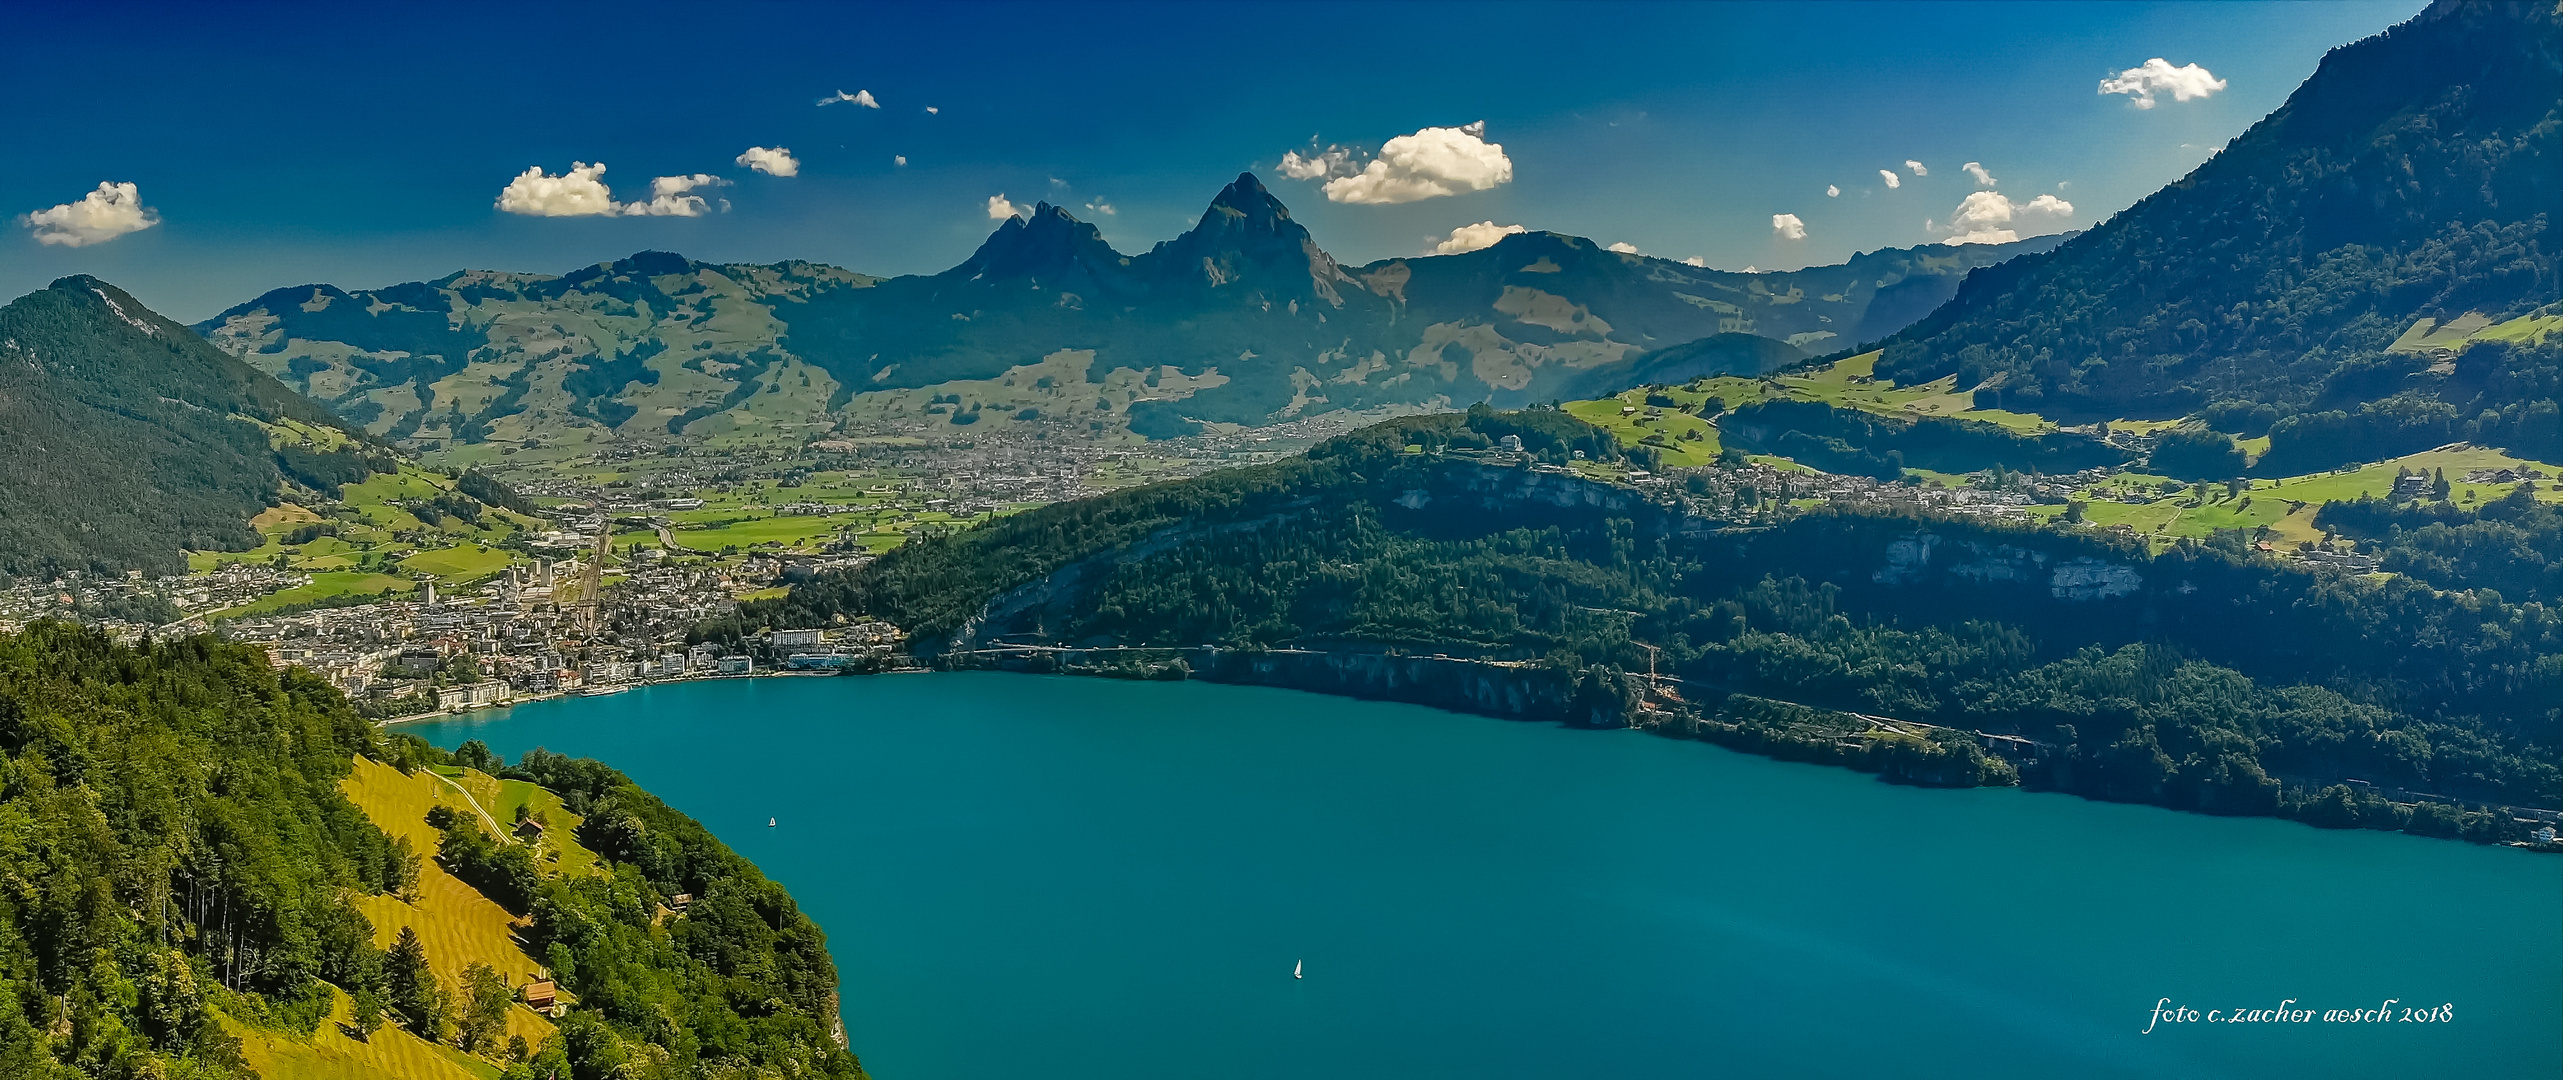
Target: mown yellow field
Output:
[
  {"x": 334, "y": 1053},
  {"x": 458, "y": 925}
]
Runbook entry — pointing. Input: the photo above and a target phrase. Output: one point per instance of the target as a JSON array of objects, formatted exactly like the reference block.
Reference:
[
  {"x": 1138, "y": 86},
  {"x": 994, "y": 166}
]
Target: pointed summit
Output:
[
  {"x": 1052, "y": 248},
  {"x": 1247, "y": 237}
]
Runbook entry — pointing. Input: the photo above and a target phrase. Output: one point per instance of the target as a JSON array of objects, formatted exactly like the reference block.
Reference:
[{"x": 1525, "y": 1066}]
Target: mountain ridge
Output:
[
  {"x": 124, "y": 437},
  {"x": 2416, "y": 174},
  {"x": 1245, "y": 316}
]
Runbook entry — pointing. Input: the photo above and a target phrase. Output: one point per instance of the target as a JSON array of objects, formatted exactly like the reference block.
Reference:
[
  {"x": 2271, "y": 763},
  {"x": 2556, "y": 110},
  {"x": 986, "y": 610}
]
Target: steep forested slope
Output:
[
  {"x": 2416, "y": 174},
  {"x": 125, "y": 437},
  {"x": 179, "y": 869}
]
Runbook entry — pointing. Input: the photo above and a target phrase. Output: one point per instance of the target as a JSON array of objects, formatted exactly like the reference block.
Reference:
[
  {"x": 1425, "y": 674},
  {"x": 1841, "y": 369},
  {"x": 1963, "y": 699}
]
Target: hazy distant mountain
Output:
[
  {"x": 122, "y": 436},
  {"x": 1243, "y": 319},
  {"x": 2416, "y": 174}
]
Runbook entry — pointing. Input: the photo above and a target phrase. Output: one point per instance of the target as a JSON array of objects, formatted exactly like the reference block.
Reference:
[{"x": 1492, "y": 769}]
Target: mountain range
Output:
[{"x": 1243, "y": 319}]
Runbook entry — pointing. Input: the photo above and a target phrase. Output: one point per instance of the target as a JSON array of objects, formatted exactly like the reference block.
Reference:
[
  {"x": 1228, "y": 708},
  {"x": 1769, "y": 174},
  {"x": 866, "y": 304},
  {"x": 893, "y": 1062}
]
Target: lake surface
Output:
[{"x": 1030, "y": 876}]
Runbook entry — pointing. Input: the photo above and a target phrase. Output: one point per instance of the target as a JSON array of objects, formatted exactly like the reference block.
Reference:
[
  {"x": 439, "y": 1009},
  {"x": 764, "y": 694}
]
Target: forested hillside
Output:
[
  {"x": 2417, "y": 175},
  {"x": 2203, "y": 676},
  {"x": 124, "y": 437},
  {"x": 183, "y": 888}
]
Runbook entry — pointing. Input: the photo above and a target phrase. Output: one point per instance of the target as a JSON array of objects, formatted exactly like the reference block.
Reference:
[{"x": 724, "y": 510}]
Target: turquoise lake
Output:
[{"x": 1028, "y": 876}]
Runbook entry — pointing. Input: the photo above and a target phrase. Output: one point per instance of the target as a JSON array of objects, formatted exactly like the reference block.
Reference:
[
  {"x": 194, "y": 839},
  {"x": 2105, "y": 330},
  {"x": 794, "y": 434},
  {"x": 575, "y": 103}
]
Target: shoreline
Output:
[
  {"x": 1496, "y": 690},
  {"x": 554, "y": 695}
]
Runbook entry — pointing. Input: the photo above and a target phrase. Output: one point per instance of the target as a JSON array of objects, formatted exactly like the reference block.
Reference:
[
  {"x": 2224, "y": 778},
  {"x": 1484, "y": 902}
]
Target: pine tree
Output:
[{"x": 412, "y": 987}]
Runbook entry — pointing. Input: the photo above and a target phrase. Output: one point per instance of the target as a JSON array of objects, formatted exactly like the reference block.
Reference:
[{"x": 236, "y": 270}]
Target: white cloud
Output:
[
  {"x": 1334, "y": 161},
  {"x": 1484, "y": 234},
  {"x": 1788, "y": 227},
  {"x": 1977, "y": 169},
  {"x": 1430, "y": 163},
  {"x": 1001, "y": 208},
  {"x": 859, "y": 97},
  {"x": 900, "y": 160},
  {"x": 1701, "y": 261},
  {"x": 580, "y": 192},
  {"x": 1832, "y": 191},
  {"x": 102, "y": 215},
  {"x": 1624, "y": 248},
  {"x": 1056, "y": 182},
  {"x": 672, "y": 196},
  {"x": 1990, "y": 217},
  {"x": 777, "y": 161},
  {"x": 1916, "y": 166},
  {"x": 1889, "y": 175},
  {"x": 1101, "y": 207},
  {"x": 931, "y": 110},
  {"x": 2158, "y": 76}
]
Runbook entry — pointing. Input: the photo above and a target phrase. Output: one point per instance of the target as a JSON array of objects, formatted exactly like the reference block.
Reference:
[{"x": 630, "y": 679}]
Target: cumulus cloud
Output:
[
  {"x": 1990, "y": 217},
  {"x": 931, "y": 110},
  {"x": 1001, "y": 208},
  {"x": 1916, "y": 166},
  {"x": 1101, "y": 207},
  {"x": 2157, "y": 76},
  {"x": 1833, "y": 191},
  {"x": 777, "y": 161},
  {"x": 1788, "y": 227},
  {"x": 673, "y": 196},
  {"x": 859, "y": 97},
  {"x": 102, "y": 215},
  {"x": 1700, "y": 261},
  {"x": 580, "y": 192},
  {"x": 1889, "y": 175},
  {"x": 1484, "y": 234},
  {"x": 1977, "y": 169},
  {"x": 1624, "y": 248},
  {"x": 1430, "y": 163},
  {"x": 900, "y": 160}
]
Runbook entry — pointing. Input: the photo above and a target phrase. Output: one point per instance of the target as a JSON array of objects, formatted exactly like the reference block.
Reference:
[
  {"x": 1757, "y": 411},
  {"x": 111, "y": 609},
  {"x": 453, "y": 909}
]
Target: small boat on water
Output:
[
  {"x": 769, "y": 823},
  {"x": 1295, "y": 966},
  {"x": 602, "y": 691}
]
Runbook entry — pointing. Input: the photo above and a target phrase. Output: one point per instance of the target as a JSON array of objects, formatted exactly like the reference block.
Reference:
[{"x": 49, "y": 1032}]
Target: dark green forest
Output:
[
  {"x": 2416, "y": 174},
  {"x": 120, "y": 441},
  {"x": 2204, "y": 677},
  {"x": 173, "y": 845}
]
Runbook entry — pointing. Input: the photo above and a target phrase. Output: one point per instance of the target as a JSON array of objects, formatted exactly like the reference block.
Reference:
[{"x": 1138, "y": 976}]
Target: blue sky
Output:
[{"x": 368, "y": 144}]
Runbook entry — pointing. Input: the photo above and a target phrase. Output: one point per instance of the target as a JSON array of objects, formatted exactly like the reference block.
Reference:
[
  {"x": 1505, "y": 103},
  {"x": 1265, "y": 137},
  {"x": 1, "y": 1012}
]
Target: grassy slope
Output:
[
  {"x": 334, "y": 1053},
  {"x": 1847, "y": 384},
  {"x": 366, "y": 558},
  {"x": 459, "y": 926},
  {"x": 2272, "y": 501}
]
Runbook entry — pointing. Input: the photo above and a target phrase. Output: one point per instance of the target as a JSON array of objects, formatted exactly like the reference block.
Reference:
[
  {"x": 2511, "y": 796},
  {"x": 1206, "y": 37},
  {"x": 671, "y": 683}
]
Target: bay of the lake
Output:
[{"x": 1049, "y": 877}]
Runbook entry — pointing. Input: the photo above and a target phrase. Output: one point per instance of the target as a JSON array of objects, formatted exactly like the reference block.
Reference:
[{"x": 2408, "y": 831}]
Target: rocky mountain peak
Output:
[
  {"x": 1050, "y": 246},
  {"x": 1247, "y": 237}
]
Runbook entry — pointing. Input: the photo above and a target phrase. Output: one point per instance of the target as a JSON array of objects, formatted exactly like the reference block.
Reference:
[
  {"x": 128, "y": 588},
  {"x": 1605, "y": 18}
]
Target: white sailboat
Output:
[
  {"x": 769, "y": 823},
  {"x": 1295, "y": 965}
]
